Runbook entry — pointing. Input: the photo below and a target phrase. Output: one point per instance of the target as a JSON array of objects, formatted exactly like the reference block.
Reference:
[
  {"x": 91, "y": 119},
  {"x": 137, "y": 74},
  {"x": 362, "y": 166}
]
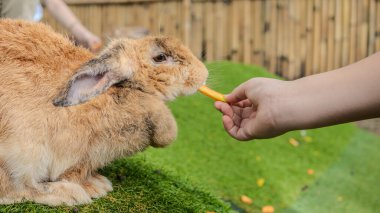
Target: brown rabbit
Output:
[{"x": 65, "y": 113}]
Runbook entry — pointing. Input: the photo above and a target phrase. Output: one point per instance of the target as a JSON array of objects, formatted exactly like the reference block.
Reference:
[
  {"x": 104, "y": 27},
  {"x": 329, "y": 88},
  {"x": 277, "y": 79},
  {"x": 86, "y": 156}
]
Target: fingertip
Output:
[
  {"x": 221, "y": 106},
  {"x": 217, "y": 104}
]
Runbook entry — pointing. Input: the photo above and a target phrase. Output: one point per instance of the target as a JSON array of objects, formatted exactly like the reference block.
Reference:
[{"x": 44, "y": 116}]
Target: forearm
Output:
[
  {"x": 347, "y": 94},
  {"x": 62, "y": 13}
]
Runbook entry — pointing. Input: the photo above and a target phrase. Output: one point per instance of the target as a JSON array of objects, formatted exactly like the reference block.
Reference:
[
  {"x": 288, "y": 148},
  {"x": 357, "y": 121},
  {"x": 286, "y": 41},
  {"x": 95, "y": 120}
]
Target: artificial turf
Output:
[
  {"x": 204, "y": 168},
  {"x": 139, "y": 187},
  {"x": 344, "y": 158}
]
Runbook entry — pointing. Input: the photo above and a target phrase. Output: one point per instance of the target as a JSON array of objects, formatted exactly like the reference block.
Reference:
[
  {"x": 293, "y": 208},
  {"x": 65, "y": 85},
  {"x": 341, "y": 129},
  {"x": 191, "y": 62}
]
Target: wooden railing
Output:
[{"x": 290, "y": 37}]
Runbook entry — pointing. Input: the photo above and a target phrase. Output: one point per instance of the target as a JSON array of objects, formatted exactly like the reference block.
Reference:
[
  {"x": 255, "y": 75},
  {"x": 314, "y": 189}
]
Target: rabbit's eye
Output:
[{"x": 160, "y": 58}]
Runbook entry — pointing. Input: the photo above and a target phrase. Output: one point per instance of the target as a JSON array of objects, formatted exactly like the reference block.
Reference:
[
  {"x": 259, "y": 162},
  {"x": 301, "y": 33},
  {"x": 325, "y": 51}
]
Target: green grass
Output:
[
  {"x": 208, "y": 157},
  {"x": 351, "y": 184},
  {"x": 139, "y": 187},
  {"x": 205, "y": 166}
]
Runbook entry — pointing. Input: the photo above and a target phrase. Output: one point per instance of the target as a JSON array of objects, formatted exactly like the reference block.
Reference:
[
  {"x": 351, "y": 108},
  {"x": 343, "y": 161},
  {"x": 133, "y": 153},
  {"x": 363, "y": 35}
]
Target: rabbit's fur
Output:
[{"x": 64, "y": 113}]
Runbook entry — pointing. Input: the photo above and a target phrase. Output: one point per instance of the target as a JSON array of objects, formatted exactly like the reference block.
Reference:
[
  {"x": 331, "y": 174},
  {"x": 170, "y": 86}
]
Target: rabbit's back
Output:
[
  {"x": 35, "y": 64},
  {"x": 35, "y": 60}
]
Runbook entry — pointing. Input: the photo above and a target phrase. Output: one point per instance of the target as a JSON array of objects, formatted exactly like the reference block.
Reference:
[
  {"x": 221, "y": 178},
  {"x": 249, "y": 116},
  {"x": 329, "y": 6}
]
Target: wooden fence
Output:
[{"x": 290, "y": 37}]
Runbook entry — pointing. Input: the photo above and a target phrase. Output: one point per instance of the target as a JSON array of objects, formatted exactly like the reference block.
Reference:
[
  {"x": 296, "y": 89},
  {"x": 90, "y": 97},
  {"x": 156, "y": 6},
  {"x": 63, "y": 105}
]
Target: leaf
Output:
[
  {"x": 307, "y": 139},
  {"x": 260, "y": 182}
]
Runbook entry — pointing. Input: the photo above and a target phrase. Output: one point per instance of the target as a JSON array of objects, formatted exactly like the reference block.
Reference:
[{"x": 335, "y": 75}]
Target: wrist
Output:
[{"x": 287, "y": 107}]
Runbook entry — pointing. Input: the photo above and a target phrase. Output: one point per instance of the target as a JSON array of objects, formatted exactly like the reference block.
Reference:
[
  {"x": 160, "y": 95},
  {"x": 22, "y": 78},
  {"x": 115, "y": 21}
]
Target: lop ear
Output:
[{"x": 91, "y": 80}]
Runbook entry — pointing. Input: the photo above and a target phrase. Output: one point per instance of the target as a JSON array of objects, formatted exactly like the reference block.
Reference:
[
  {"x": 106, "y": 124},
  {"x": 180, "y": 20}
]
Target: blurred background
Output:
[{"x": 292, "y": 38}]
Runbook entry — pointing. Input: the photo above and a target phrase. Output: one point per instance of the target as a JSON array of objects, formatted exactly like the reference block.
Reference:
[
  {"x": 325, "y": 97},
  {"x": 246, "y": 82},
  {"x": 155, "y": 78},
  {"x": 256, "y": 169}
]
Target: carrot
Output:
[{"x": 211, "y": 93}]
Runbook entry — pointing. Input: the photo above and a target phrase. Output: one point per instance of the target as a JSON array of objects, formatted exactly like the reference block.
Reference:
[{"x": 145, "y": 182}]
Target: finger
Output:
[
  {"x": 236, "y": 119},
  {"x": 248, "y": 112},
  {"x": 237, "y": 95},
  {"x": 241, "y": 135},
  {"x": 230, "y": 127},
  {"x": 233, "y": 130},
  {"x": 224, "y": 108},
  {"x": 244, "y": 103},
  {"x": 228, "y": 123},
  {"x": 218, "y": 105}
]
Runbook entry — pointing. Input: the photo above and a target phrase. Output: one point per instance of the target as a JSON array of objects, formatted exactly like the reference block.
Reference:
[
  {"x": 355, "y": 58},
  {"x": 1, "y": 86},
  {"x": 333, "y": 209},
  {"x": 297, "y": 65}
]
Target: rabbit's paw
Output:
[
  {"x": 97, "y": 186},
  {"x": 5, "y": 201},
  {"x": 61, "y": 192}
]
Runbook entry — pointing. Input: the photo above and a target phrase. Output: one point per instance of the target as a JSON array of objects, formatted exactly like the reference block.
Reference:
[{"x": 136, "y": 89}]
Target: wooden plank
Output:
[
  {"x": 83, "y": 2},
  {"x": 113, "y": 21},
  {"x": 317, "y": 37},
  {"x": 273, "y": 36},
  {"x": 338, "y": 40},
  {"x": 177, "y": 14},
  {"x": 144, "y": 8},
  {"x": 209, "y": 30},
  {"x": 257, "y": 32},
  {"x": 363, "y": 19},
  {"x": 224, "y": 29},
  {"x": 196, "y": 29},
  {"x": 302, "y": 46},
  {"x": 161, "y": 19},
  {"x": 353, "y": 31},
  {"x": 270, "y": 35},
  {"x": 346, "y": 32},
  {"x": 280, "y": 52},
  {"x": 153, "y": 19},
  {"x": 323, "y": 36},
  {"x": 219, "y": 31},
  {"x": 331, "y": 42},
  {"x": 309, "y": 37},
  {"x": 186, "y": 21},
  {"x": 171, "y": 19},
  {"x": 293, "y": 40},
  {"x": 247, "y": 32},
  {"x": 377, "y": 28},
  {"x": 235, "y": 31},
  {"x": 240, "y": 53},
  {"x": 372, "y": 27}
]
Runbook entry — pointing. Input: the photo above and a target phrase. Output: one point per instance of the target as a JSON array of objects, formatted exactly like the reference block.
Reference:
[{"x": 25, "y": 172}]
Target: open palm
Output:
[{"x": 237, "y": 119}]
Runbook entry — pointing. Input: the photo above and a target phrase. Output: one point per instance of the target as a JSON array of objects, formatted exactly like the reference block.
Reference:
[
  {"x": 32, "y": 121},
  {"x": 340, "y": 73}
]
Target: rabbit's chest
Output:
[{"x": 122, "y": 139}]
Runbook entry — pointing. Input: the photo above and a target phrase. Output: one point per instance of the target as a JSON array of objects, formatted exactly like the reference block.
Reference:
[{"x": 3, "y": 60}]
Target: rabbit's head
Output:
[{"x": 158, "y": 65}]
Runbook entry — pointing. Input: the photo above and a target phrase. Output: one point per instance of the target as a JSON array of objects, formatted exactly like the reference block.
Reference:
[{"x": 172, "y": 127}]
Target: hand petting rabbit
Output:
[{"x": 64, "y": 112}]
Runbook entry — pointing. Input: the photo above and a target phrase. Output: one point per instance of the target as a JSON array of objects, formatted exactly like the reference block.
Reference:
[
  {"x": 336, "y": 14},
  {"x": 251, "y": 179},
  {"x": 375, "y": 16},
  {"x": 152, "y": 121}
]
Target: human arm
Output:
[
  {"x": 62, "y": 13},
  {"x": 263, "y": 108}
]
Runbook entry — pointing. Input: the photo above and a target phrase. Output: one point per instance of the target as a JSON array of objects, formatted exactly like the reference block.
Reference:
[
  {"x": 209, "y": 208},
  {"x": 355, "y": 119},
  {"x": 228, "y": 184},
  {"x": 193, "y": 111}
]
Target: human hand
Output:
[
  {"x": 253, "y": 108},
  {"x": 86, "y": 38}
]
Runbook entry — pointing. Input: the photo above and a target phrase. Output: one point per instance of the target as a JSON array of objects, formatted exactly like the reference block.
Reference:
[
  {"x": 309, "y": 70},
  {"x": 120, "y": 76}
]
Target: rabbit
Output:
[{"x": 64, "y": 112}]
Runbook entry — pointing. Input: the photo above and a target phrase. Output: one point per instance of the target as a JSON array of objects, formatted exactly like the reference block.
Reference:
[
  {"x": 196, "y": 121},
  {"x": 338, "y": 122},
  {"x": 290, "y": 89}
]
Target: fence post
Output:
[{"x": 187, "y": 21}]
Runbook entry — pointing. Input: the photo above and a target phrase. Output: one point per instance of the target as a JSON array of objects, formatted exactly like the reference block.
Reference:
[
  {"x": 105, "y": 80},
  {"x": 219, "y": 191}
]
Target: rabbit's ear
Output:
[{"x": 91, "y": 80}]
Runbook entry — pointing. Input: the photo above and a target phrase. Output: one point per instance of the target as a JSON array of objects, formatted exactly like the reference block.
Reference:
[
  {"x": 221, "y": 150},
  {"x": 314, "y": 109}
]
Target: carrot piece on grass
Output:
[
  {"x": 211, "y": 93},
  {"x": 245, "y": 199},
  {"x": 268, "y": 209}
]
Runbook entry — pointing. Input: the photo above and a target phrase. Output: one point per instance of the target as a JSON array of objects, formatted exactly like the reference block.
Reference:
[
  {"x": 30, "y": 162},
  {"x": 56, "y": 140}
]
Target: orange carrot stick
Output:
[{"x": 211, "y": 93}]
